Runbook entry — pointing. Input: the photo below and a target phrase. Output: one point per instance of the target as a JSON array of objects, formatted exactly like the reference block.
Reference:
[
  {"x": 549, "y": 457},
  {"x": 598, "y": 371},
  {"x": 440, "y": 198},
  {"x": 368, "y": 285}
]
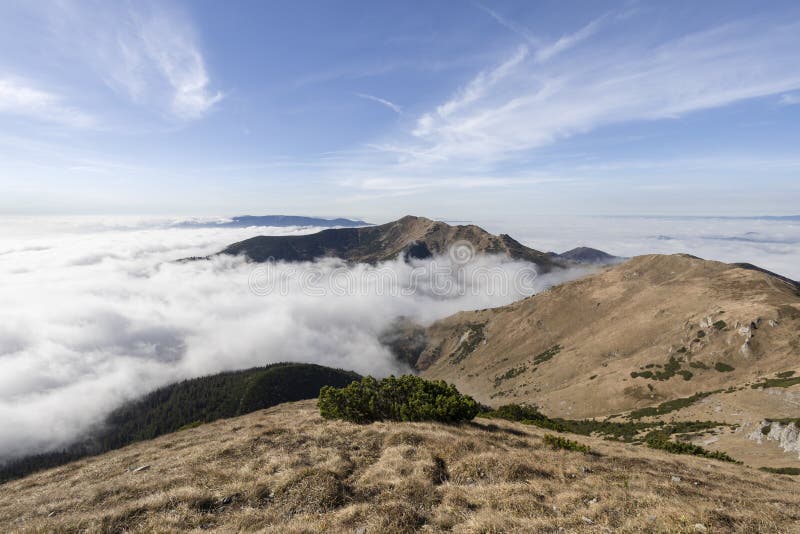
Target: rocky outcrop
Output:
[{"x": 787, "y": 435}]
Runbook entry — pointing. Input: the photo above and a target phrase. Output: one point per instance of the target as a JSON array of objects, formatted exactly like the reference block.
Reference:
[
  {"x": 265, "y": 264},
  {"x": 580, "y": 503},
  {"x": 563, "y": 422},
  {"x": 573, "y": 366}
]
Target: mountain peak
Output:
[{"x": 418, "y": 237}]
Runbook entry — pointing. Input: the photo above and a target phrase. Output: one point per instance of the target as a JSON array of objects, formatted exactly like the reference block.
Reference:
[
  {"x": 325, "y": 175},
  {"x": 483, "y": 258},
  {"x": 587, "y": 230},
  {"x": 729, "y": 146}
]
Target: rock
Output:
[
  {"x": 745, "y": 349},
  {"x": 745, "y": 331},
  {"x": 591, "y": 501},
  {"x": 787, "y": 436},
  {"x": 675, "y": 478},
  {"x": 140, "y": 468},
  {"x": 700, "y": 527},
  {"x": 587, "y": 520}
]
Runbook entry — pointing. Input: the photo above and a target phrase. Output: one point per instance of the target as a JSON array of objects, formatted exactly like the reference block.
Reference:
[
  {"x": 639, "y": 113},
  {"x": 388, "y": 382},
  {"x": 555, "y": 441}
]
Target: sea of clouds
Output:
[
  {"x": 94, "y": 312},
  {"x": 771, "y": 243}
]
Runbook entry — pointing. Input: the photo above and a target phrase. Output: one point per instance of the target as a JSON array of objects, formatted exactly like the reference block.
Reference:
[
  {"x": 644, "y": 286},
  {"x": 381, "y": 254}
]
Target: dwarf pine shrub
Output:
[{"x": 404, "y": 398}]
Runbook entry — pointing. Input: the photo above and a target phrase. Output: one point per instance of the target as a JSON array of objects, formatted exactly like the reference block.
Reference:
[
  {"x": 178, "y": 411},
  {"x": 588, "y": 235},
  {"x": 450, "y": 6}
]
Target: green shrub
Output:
[
  {"x": 559, "y": 443},
  {"x": 782, "y": 470},
  {"x": 698, "y": 365},
  {"x": 666, "y": 371},
  {"x": 660, "y": 440},
  {"x": 405, "y": 398},
  {"x": 777, "y": 383},
  {"x": 547, "y": 355},
  {"x": 643, "y": 374},
  {"x": 528, "y": 415},
  {"x": 511, "y": 373},
  {"x": 723, "y": 367},
  {"x": 719, "y": 325},
  {"x": 670, "y": 406},
  {"x": 785, "y": 421},
  {"x": 785, "y": 374}
]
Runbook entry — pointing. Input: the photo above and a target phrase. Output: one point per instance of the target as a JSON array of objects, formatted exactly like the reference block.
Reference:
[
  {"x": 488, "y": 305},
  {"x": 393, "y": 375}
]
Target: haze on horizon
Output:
[{"x": 460, "y": 110}]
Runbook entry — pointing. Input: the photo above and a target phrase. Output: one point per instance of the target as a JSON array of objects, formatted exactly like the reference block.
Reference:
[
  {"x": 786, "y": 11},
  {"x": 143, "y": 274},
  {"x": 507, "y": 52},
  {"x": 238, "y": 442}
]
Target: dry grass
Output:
[
  {"x": 617, "y": 321},
  {"x": 287, "y": 470}
]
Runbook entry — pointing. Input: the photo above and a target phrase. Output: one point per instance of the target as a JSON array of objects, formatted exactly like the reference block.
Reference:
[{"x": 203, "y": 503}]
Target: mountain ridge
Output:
[
  {"x": 651, "y": 330},
  {"x": 415, "y": 237}
]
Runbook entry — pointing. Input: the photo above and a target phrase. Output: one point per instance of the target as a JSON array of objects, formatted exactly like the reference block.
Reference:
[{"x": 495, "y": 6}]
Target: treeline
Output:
[{"x": 188, "y": 403}]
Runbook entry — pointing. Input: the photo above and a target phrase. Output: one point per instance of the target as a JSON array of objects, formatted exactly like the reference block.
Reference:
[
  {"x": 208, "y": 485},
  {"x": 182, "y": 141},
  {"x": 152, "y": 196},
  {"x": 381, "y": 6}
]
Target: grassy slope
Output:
[
  {"x": 631, "y": 336},
  {"x": 285, "y": 469},
  {"x": 192, "y": 402}
]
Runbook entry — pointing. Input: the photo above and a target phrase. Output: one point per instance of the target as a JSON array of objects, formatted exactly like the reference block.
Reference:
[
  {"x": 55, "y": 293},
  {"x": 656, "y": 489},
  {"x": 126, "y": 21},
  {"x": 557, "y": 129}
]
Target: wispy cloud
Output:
[
  {"x": 515, "y": 27},
  {"x": 391, "y": 105},
  {"x": 545, "y": 50},
  {"x": 176, "y": 57},
  {"x": 20, "y": 97},
  {"x": 524, "y": 103},
  {"x": 141, "y": 50},
  {"x": 567, "y": 41}
]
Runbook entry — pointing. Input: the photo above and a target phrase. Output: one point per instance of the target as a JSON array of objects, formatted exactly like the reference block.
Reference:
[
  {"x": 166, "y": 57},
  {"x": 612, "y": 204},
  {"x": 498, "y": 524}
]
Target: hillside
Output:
[
  {"x": 417, "y": 237},
  {"x": 192, "y": 402},
  {"x": 287, "y": 470},
  {"x": 651, "y": 330}
]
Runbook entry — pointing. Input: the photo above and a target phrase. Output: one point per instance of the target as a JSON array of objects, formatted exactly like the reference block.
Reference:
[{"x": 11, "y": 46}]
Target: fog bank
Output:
[{"x": 95, "y": 314}]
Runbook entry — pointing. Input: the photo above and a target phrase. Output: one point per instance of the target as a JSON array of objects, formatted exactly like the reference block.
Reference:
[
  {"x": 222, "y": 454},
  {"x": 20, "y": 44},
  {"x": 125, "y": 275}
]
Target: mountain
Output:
[
  {"x": 192, "y": 402},
  {"x": 586, "y": 255},
  {"x": 286, "y": 469},
  {"x": 417, "y": 237},
  {"x": 653, "y": 330},
  {"x": 244, "y": 221}
]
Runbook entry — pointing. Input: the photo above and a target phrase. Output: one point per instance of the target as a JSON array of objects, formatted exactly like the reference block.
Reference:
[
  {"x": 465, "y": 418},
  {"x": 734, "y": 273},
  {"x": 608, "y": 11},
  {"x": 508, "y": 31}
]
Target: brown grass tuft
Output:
[{"x": 287, "y": 470}]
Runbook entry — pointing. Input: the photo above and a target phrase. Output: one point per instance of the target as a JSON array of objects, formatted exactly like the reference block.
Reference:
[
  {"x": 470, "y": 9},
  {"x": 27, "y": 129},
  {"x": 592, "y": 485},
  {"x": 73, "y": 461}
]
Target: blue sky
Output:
[{"x": 447, "y": 109}]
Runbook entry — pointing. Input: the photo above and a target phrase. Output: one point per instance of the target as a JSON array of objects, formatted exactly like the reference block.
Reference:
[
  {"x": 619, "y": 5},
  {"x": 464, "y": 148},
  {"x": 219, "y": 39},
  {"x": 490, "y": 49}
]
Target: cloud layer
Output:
[{"x": 96, "y": 315}]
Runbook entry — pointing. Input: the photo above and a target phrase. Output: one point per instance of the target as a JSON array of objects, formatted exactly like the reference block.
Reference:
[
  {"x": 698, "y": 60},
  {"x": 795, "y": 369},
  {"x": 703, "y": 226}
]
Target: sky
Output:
[{"x": 487, "y": 111}]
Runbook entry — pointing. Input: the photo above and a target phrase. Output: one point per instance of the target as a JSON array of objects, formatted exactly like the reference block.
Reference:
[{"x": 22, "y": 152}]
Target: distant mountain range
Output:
[{"x": 244, "y": 221}]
